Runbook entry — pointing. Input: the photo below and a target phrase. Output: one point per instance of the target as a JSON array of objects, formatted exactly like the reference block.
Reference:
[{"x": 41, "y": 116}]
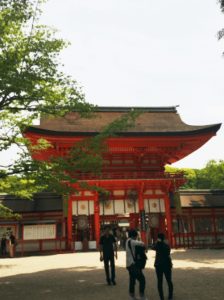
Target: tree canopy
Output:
[
  {"x": 209, "y": 177},
  {"x": 32, "y": 84}
]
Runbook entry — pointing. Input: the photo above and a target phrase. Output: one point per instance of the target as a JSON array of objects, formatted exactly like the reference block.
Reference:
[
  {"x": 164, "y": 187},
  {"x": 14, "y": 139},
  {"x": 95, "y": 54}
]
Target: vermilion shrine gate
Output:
[{"x": 133, "y": 170}]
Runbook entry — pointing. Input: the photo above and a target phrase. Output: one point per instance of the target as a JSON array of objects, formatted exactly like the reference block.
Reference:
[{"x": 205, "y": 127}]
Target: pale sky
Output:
[{"x": 148, "y": 53}]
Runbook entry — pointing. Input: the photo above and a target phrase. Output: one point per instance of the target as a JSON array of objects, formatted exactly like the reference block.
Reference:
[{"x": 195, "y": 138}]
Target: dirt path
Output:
[{"x": 198, "y": 274}]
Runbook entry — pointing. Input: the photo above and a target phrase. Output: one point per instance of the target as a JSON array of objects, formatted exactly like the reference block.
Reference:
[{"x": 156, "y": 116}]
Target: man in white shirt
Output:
[{"x": 134, "y": 271}]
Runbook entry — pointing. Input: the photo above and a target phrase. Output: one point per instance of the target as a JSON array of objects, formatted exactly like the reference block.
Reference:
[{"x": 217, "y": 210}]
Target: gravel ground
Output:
[{"x": 197, "y": 274}]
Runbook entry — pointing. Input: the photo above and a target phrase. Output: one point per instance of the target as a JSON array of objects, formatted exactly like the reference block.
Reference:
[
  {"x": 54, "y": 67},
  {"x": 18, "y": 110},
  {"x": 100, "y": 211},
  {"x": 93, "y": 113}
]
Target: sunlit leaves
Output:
[
  {"x": 7, "y": 213},
  {"x": 33, "y": 84},
  {"x": 210, "y": 177}
]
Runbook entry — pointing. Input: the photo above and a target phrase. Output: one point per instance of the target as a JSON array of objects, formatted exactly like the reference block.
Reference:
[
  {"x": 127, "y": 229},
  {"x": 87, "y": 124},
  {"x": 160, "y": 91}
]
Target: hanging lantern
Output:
[{"x": 82, "y": 222}]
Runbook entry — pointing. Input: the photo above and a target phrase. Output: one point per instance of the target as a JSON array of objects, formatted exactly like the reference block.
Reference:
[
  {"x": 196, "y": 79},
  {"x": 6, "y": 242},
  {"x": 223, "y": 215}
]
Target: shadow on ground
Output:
[
  {"x": 199, "y": 255},
  {"x": 82, "y": 283}
]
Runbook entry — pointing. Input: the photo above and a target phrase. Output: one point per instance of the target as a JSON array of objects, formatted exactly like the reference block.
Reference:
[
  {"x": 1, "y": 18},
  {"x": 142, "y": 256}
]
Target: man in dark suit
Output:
[{"x": 163, "y": 265}]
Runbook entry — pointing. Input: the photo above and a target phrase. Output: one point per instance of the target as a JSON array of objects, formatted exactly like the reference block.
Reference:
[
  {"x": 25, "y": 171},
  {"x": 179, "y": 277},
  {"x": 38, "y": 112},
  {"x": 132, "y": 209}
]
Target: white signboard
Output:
[
  {"x": 39, "y": 232},
  {"x": 119, "y": 207},
  {"x": 82, "y": 208},
  {"x": 156, "y": 205},
  {"x": 109, "y": 208},
  {"x": 162, "y": 205},
  {"x": 74, "y": 208},
  {"x": 146, "y": 205},
  {"x": 129, "y": 206}
]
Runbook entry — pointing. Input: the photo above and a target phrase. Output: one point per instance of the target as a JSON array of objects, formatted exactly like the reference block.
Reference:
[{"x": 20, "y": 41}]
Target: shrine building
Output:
[{"x": 140, "y": 191}]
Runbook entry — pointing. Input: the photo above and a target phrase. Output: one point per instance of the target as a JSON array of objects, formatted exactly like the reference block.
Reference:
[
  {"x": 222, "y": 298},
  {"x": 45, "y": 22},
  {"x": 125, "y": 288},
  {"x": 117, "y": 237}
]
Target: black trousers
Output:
[
  {"x": 133, "y": 276},
  {"x": 109, "y": 260},
  {"x": 3, "y": 251},
  {"x": 167, "y": 271}
]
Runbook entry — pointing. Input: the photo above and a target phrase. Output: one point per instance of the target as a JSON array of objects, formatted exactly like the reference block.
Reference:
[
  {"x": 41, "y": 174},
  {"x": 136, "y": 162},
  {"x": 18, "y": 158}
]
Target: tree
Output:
[
  {"x": 190, "y": 175},
  {"x": 32, "y": 84},
  {"x": 210, "y": 177}
]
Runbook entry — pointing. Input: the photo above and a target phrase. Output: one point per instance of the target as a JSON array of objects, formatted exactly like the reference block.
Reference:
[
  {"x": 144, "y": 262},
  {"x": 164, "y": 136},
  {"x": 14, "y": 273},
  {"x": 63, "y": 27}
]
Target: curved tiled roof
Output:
[{"x": 152, "y": 121}]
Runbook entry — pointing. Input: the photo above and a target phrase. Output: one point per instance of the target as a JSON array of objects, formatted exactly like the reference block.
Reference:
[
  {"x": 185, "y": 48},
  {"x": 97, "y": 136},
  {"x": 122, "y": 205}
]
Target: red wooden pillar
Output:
[
  {"x": 168, "y": 219},
  {"x": 97, "y": 219},
  {"x": 69, "y": 224},
  {"x": 142, "y": 213}
]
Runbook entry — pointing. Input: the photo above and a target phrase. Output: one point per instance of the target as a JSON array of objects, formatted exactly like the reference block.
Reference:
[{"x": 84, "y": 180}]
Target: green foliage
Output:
[
  {"x": 32, "y": 84},
  {"x": 210, "y": 177},
  {"x": 58, "y": 174},
  {"x": 19, "y": 187},
  {"x": 31, "y": 80},
  {"x": 7, "y": 213},
  {"x": 86, "y": 157}
]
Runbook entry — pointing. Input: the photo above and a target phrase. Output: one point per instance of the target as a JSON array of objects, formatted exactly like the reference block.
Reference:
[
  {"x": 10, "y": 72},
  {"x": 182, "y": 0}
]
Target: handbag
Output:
[{"x": 140, "y": 257}]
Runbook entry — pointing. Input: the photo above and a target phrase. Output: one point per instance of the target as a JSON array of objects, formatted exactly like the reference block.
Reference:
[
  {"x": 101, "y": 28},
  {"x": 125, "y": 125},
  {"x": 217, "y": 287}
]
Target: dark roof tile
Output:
[{"x": 153, "y": 121}]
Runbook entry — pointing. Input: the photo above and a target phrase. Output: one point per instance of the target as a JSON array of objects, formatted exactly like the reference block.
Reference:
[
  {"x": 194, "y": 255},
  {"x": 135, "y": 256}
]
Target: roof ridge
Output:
[{"x": 130, "y": 108}]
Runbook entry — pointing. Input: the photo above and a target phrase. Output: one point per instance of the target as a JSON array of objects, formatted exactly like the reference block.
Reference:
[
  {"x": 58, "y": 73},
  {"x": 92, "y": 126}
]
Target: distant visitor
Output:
[{"x": 108, "y": 251}]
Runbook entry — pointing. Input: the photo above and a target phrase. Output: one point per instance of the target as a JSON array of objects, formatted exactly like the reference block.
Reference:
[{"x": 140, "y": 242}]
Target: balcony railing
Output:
[{"x": 130, "y": 175}]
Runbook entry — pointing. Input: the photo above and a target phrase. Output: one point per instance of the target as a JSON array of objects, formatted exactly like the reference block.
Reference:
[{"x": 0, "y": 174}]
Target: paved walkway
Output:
[{"x": 198, "y": 274}]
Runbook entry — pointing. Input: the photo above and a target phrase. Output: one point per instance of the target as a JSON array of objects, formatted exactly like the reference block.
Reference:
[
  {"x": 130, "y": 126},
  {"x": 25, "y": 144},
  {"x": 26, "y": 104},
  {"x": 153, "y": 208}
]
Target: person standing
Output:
[
  {"x": 135, "y": 271},
  {"x": 163, "y": 265},
  {"x": 108, "y": 250},
  {"x": 3, "y": 245},
  {"x": 124, "y": 238},
  {"x": 12, "y": 244}
]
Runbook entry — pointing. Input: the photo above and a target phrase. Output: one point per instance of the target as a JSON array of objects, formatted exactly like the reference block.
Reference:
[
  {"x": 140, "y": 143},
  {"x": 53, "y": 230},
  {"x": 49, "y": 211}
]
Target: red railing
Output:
[{"x": 130, "y": 175}]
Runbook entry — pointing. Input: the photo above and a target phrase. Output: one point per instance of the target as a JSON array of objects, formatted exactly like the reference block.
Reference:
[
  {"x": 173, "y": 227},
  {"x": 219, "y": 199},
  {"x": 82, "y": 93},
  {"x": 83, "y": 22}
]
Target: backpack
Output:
[{"x": 140, "y": 257}]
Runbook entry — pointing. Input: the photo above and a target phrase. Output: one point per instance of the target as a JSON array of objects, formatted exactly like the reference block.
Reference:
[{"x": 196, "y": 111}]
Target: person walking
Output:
[
  {"x": 108, "y": 250},
  {"x": 163, "y": 265},
  {"x": 134, "y": 269}
]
